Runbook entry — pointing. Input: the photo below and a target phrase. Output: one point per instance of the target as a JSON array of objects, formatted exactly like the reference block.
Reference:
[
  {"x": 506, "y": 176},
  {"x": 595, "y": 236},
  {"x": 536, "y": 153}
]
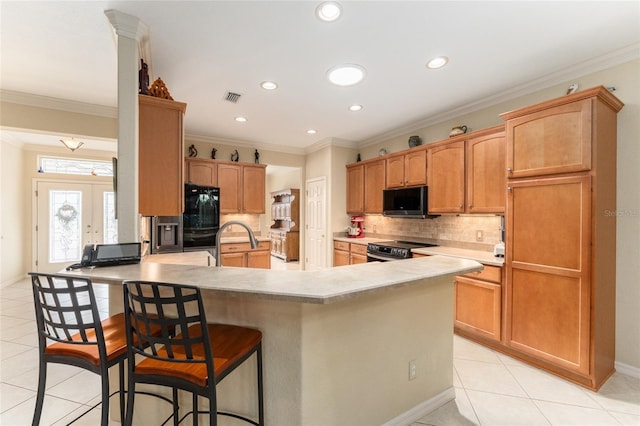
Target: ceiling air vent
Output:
[{"x": 232, "y": 97}]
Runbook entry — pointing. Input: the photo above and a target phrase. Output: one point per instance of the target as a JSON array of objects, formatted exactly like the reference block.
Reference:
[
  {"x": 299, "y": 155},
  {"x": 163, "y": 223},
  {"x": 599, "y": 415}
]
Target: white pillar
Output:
[{"x": 130, "y": 31}]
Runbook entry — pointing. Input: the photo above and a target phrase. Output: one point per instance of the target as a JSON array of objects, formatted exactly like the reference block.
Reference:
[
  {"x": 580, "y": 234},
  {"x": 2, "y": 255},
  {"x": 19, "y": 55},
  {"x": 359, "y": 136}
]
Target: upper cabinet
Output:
[
  {"x": 242, "y": 185},
  {"x": 374, "y": 178},
  {"x": 407, "y": 169},
  {"x": 446, "y": 177},
  {"x": 355, "y": 188},
  {"x": 550, "y": 140},
  {"x": 485, "y": 157},
  {"x": 160, "y": 156},
  {"x": 200, "y": 171}
]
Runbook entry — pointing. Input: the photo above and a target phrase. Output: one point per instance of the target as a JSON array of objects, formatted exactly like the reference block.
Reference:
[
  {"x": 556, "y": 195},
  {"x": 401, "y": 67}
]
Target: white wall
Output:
[{"x": 13, "y": 220}]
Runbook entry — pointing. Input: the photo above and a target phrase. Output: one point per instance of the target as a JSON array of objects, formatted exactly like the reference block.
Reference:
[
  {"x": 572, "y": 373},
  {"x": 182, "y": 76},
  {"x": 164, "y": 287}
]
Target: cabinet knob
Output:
[
  {"x": 509, "y": 170},
  {"x": 470, "y": 206},
  {"x": 461, "y": 206},
  {"x": 509, "y": 188}
]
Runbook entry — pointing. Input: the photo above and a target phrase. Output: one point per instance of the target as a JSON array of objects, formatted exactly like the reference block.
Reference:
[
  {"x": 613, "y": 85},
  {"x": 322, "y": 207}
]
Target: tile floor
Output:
[{"x": 491, "y": 389}]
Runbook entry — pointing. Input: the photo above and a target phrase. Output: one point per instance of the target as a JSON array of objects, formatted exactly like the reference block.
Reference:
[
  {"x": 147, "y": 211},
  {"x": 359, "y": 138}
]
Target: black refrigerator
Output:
[{"x": 201, "y": 217}]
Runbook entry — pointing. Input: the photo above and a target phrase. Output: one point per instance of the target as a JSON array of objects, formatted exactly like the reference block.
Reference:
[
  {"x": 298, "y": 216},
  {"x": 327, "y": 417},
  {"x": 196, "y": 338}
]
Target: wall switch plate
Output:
[
  {"x": 413, "y": 372},
  {"x": 479, "y": 235}
]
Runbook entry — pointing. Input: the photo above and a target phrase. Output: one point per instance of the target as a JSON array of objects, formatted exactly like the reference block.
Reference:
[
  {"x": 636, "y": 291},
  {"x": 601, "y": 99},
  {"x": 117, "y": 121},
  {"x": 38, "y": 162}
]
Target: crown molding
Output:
[
  {"x": 127, "y": 25},
  {"x": 590, "y": 66},
  {"x": 48, "y": 102}
]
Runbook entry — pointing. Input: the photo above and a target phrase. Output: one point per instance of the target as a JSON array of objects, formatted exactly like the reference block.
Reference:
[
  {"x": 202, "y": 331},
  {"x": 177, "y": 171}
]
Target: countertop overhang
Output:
[{"x": 318, "y": 287}]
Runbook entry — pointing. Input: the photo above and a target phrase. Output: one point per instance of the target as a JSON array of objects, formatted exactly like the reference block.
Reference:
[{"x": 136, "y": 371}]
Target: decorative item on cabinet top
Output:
[
  {"x": 414, "y": 141},
  {"x": 458, "y": 130},
  {"x": 159, "y": 90}
]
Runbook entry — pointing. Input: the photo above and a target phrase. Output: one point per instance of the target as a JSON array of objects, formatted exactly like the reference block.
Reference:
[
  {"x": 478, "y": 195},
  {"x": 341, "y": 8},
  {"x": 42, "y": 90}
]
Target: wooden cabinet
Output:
[
  {"x": 160, "y": 157},
  {"x": 348, "y": 253},
  {"x": 355, "y": 189},
  {"x": 285, "y": 235},
  {"x": 241, "y": 255},
  {"x": 445, "y": 163},
  {"x": 242, "y": 187},
  {"x": 550, "y": 140},
  {"x": 478, "y": 303},
  {"x": 407, "y": 169},
  {"x": 200, "y": 171},
  {"x": 560, "y": 248},
  {"x": 486, "y": 178},
  {"x": 374, "y": 181}
]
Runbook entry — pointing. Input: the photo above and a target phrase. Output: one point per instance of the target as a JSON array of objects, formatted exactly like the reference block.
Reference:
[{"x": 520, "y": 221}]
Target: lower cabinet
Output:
[
  {"x": 241, "y": 255},
  {"x": 478, "y": 303},
  {"x": 348, "y": 253}
]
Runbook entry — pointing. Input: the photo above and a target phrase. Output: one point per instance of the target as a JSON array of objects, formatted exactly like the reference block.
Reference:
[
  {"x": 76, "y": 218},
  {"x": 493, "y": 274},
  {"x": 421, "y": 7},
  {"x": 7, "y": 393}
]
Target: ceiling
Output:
[{"x": 202, "y": 49}]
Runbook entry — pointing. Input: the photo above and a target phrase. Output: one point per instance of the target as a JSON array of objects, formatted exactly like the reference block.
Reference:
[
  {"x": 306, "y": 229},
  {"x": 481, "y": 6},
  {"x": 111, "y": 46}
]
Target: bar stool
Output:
[
  {"x": 194, "y": 360},
  {"x": 67, "y": 314}
]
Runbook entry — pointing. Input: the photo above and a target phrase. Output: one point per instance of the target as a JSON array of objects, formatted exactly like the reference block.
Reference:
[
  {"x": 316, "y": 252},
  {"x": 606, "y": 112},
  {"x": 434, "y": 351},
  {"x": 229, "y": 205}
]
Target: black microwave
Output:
[{"x": 406, "y": 202}]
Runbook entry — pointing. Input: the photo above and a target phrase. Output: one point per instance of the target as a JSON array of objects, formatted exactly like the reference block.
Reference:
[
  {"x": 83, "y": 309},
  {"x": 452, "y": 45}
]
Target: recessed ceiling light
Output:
[
  {"x": 269, "y": 85},
  {"x": 355, "y": 108},
  {"x": 328, "y": 11},
  {"x": 241, "y": 119},
  {"x": 311, "y": 132},
  {"x": 346, "y": 75},
  {"x": 437, "y": 62}
]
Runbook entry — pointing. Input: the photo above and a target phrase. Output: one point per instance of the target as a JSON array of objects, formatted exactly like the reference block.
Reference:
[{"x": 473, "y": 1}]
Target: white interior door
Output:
[
  {"x": 70, "y": 215},
  {"x": 316, "y": 224}
]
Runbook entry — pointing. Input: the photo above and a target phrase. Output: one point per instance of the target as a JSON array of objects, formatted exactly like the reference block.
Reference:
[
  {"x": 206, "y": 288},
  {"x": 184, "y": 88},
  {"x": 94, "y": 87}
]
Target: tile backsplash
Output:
[{"x": 457, "y": 231}]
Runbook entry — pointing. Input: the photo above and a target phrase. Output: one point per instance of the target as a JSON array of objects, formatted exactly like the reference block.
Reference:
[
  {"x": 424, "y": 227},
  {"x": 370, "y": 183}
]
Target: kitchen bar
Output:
[{"x": 331, "y": 337}]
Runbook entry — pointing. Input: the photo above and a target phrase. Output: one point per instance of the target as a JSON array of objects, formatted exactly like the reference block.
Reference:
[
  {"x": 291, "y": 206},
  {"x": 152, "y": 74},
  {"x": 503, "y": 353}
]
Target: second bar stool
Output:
[{"x": 194, "y": 360}]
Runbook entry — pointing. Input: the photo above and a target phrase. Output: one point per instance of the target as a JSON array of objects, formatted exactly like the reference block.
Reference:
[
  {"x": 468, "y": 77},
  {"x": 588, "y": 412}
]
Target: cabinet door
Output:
[
  {"x": 230, "y": 183},
  {"x": 551, "y": 141},
  {"x": 355, "y": 189},
  {"x": 201, "y": 172},
  {"x": 415, "y": 168},
  {"x": 478, "y": 307},
  {"x": 259, "y": 259},
  {"x": 239, "y": 260},
  {"x": 374, "y": 177},
  {"x": 395, "y": 171},
  {"x": 548, "y": 270},
  {"x": 340, "y": 258},
  {"x": 253, "y": 194},
  {"x": 446, "y": 178},
  {"x": 161, "y": 157},
  {"x": 486, "y": 178}
]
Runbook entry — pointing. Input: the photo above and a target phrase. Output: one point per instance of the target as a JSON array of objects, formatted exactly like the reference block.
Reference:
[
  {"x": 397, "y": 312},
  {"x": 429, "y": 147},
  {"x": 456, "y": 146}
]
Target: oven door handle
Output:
[{"x": 382, "y": 258}]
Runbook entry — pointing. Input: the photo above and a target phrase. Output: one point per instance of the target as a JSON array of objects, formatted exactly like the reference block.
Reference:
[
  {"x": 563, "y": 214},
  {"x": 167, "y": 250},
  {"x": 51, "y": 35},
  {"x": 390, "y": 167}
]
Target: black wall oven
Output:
[{"x": 201, "y": 218}]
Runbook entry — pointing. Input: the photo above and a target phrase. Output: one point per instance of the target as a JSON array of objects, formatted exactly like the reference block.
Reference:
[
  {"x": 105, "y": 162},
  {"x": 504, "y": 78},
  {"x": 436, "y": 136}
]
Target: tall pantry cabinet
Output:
[{"x": 561, "y": 235}]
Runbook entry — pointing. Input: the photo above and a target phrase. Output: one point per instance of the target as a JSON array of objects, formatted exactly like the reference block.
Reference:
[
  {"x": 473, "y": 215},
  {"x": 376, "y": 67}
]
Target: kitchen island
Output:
[{"x": 337, "y": 342}]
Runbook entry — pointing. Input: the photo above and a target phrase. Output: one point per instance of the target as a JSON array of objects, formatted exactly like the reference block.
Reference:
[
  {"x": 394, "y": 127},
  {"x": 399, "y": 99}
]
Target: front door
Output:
[
  {"x": 70, "y": 215},
  {"x": 316, "y": 208}
]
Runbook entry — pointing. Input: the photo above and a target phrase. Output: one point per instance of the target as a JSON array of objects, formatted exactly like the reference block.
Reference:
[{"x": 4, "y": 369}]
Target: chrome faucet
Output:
[{"x": 252, "y": 238}]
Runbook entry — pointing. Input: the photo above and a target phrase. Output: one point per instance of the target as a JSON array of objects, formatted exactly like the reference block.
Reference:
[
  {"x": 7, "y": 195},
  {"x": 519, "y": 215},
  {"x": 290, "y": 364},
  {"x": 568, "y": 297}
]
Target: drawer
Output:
[
  {"x": 359, "y": 249},
  {"x": 243, "y": 247},
  {"x": 340, "y": 245},
  {"x": 489, "y": 273}
]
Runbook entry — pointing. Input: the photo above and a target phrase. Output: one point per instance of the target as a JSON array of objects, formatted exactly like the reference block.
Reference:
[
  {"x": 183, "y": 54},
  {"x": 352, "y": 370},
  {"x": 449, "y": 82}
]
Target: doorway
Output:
[
  {"x": 69, "y": 215},
  {"x": 316, "y": 224}
]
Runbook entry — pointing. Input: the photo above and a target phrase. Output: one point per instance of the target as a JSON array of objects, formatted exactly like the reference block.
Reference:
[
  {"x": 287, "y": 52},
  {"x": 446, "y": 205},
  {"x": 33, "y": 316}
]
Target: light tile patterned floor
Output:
[{"x": 491, "y": 389}]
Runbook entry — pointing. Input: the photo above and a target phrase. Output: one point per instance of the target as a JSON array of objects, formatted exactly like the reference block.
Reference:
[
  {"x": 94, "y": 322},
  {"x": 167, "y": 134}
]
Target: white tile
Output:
[
  {"x": 52, "y": 411},
  {"x": 540, "y": 385},
  {"x": 626, "y": 419},
  {"x": 488, "y": 377},
  {"x": 620, "y": 393},
  {"x": 56, "y": 374},
  {"x": 12, "y": 396},
  {"x": 497, "y": 410},
  {"x": 465, "y": 349},
  {"x": 80, "y": 388},
  {"x": 9, "y": 349},
  {"x": 92, "y": 418},
  {"x": 18, "y": 331},
  {"x": 17, "y": 365},
  {"x": 563, "y": 414}
]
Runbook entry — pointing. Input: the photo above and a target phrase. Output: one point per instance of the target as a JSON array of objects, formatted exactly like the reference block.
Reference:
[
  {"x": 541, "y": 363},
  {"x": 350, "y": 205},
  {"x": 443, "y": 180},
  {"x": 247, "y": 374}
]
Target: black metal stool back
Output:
[
  {"x": 67, "y": 314},
  {"x": 183, "y": 360}
]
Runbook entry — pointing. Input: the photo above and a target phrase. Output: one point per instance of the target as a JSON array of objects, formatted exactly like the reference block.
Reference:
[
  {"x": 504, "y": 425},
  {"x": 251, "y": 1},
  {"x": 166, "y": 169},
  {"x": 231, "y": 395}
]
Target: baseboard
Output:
[
  {"x": 422, "y": 409},
  {"x": 627, "y": 369}
]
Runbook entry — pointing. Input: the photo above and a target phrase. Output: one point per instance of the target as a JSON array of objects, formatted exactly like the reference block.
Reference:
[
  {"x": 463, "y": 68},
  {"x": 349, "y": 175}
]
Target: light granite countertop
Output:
[{"x": 320, "y": 287}]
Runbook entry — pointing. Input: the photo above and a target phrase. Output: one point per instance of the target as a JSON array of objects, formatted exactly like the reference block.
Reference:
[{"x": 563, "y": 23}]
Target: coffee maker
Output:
[{"x": 356, "y": 230}]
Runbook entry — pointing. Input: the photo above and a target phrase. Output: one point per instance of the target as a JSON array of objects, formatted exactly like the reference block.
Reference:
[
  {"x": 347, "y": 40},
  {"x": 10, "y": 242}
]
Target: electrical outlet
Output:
[
  {"x": 479, "y": 235},
  {"x": 413, "y": 371}
]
